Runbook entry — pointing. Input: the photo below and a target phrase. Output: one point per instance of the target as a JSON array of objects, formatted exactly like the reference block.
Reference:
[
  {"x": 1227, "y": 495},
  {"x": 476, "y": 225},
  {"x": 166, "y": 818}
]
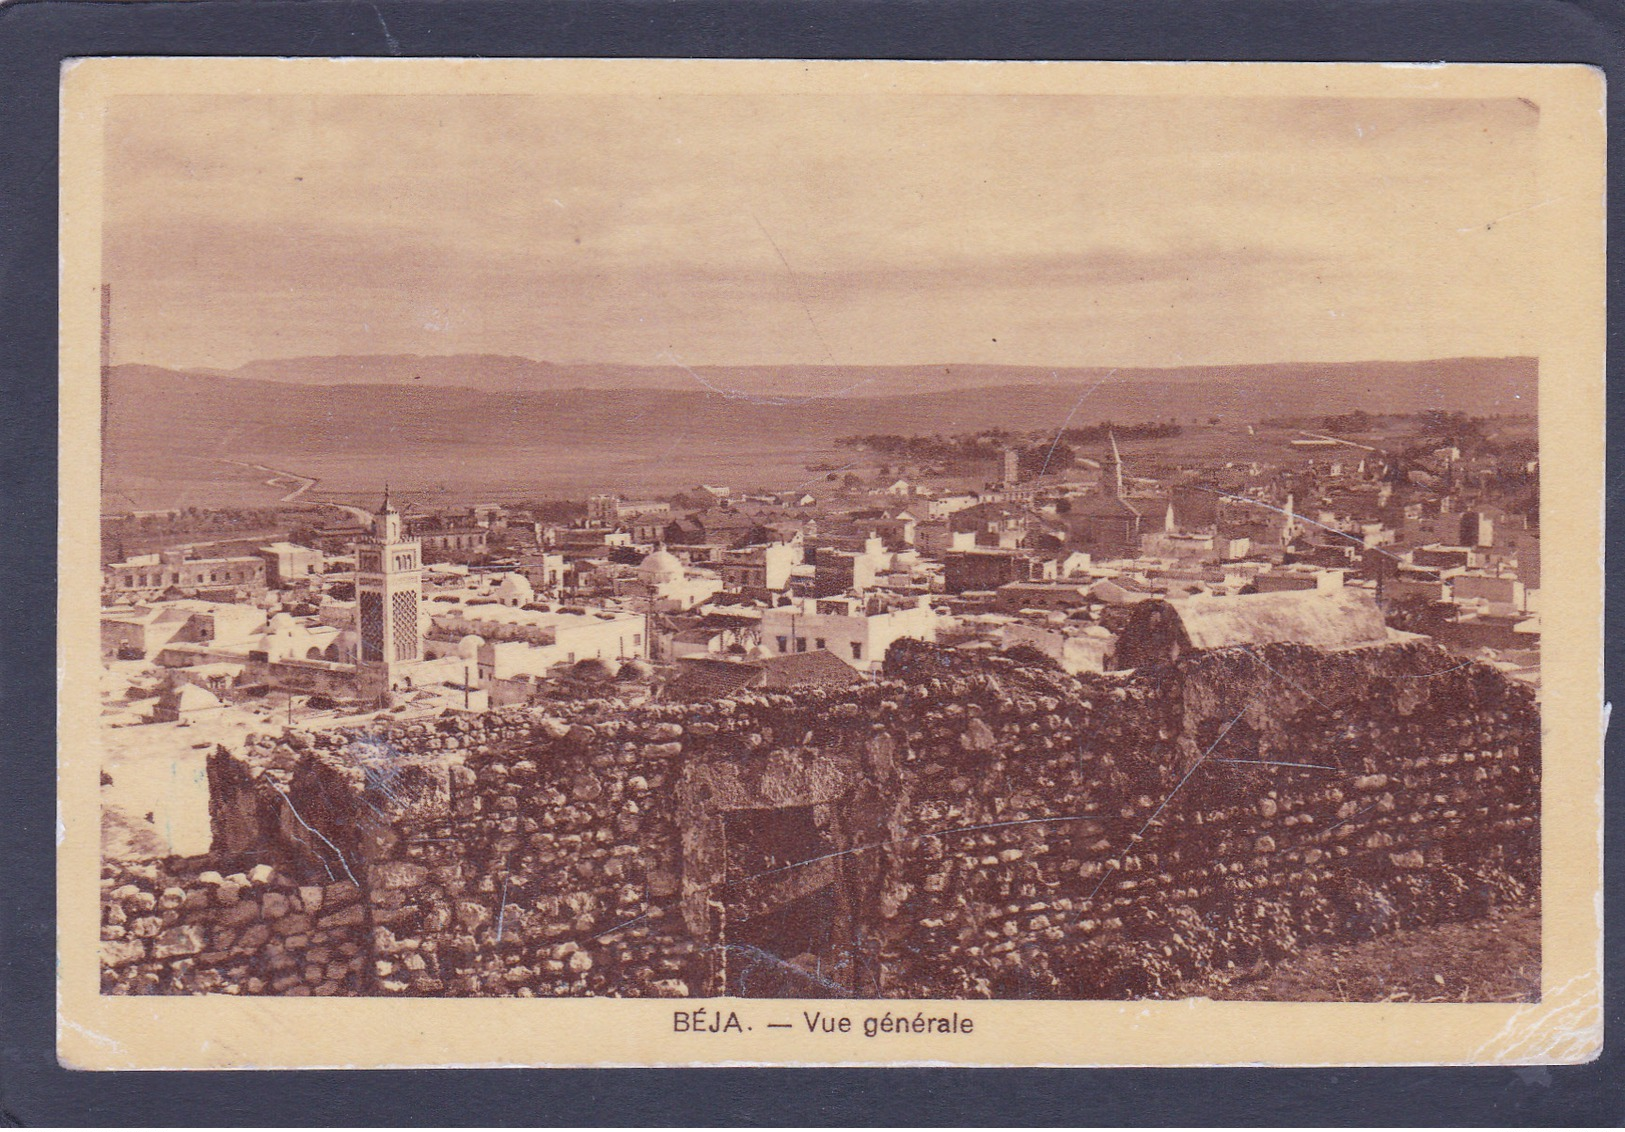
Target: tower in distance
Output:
[{"x": 389, "y": 601}]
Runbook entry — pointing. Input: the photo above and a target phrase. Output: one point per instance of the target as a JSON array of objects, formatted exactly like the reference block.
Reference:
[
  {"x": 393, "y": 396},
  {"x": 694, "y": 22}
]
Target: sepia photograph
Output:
[{"x": 828, "y": 557}]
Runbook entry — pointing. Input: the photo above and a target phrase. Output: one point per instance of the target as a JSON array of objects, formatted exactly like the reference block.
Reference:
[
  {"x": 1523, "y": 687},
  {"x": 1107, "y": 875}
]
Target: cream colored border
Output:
[{"x": 224, "y": 1032}]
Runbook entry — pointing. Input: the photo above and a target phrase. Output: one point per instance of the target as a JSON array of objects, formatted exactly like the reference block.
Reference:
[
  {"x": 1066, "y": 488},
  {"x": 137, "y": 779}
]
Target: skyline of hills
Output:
[{"x": 491, "y": 373}]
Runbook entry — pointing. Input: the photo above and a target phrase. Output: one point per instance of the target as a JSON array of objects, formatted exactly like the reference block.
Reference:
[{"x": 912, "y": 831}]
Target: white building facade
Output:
[{"x": 858, "y": 630}]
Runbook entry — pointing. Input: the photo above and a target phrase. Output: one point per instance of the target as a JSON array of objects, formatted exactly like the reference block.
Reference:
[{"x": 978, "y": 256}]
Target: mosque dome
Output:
[
  {"x": 661, "y": 567},
  {"x": 282, "y": 623},
  {"x": 469, "y": 647},
  {"x": 515, "y": 589}
]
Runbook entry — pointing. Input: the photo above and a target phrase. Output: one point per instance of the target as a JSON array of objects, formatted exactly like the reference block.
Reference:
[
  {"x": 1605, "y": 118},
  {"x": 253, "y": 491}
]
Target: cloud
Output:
[{"x": 851, "y": 228}]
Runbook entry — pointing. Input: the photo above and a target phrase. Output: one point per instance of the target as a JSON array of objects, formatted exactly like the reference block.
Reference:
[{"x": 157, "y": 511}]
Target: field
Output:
[
  {"x": 504, "y": 474},
  {"x": 153, "y": 479},
  {"x": 482, "y": 474},
  {"x": 553, "y": 472}
]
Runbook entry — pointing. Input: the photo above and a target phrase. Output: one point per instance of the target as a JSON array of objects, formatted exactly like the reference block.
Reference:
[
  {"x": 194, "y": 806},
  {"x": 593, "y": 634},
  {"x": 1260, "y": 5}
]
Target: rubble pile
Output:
[{"x": 1001, "y": 829}]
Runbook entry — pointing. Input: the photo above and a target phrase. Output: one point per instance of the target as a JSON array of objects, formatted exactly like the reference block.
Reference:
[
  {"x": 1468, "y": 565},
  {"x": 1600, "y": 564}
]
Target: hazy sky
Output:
[{"x": 815, "y": 228}]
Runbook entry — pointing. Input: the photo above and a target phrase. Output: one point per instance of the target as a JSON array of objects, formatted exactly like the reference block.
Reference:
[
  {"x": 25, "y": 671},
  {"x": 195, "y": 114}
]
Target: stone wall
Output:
[
  {"x": 182, "y": 929},
  {"x": 1244, "y": 805},
  {"x": 969, "y": 826}
]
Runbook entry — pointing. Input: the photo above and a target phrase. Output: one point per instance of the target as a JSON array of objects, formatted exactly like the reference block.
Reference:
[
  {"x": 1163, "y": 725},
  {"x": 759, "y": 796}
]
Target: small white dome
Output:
[
  {"x": 282, "y": 623},
  {"x": 515, "y": 589},
  {"x": 469, "y": 647},
  {"x": 660, "y": 567}
]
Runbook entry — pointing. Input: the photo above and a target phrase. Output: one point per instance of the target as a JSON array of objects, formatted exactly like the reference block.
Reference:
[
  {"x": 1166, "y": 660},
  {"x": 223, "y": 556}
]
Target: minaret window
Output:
[
  {"x": 405, "y": 610},
  {"x": 372, "y": 625}
]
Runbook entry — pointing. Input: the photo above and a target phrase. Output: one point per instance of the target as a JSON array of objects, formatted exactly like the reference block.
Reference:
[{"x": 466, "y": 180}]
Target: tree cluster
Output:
[{"x": 1036, "y": 452}]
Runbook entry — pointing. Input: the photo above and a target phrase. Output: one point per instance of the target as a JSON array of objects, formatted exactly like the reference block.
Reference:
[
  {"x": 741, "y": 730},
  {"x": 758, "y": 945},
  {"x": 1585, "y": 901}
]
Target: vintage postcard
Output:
[{"x": 625, "y": 562}]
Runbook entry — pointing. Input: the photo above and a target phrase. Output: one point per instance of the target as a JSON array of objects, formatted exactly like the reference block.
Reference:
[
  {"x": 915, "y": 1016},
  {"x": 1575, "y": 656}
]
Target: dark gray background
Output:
[{"x": 36, "y": 36}]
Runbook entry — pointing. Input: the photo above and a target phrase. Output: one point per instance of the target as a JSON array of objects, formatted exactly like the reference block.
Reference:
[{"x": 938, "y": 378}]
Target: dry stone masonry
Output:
[{"x": 966, "y": 826}]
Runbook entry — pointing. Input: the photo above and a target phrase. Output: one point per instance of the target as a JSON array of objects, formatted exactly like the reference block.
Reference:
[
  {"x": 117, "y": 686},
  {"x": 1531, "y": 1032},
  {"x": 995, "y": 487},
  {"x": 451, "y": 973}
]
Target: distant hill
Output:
[
  {"x": 1455, "y": 378},
  {"x": 167, "y": 427}
]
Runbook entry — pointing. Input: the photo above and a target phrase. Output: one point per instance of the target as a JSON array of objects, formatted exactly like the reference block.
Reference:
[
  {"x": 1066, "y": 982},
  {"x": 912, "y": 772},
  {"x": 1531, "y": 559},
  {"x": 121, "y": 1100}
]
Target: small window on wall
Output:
[
  {"x": 784, "y": 644},
  {"x": 801, "y": 644},
  {"x": 819, "y": 643},
  {"x": 857, "y": 650}
]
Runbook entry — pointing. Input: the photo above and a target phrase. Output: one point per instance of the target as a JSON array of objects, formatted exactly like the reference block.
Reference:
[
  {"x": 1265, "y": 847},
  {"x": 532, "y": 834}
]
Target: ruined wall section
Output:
[
  {"x": 1246, "y": 805},
  {"x": 1005, "y": 830}
]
